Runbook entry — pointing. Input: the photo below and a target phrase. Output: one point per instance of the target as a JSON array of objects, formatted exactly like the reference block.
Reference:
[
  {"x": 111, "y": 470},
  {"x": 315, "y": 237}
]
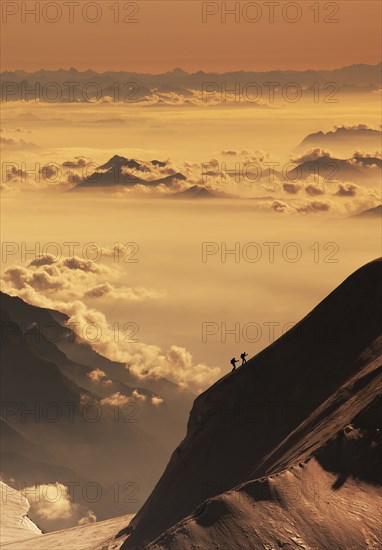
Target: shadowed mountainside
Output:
[{"x": 60, "y": 424}]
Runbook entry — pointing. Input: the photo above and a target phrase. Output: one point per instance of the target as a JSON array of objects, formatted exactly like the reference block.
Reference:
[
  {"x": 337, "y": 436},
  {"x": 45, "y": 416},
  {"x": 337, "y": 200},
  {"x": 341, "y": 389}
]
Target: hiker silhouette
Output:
[
  {"x": 243, "y": 358},
  {"x": 233, "y": 363}
]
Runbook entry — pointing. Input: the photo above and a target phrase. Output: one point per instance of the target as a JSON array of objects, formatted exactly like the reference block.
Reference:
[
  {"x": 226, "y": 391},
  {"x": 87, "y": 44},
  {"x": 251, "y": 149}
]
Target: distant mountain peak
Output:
[
  {"x": 113, "y": 173},
  {"x": 375, "y": 212},
  {"x": 119, "y": 161},
  {"x": 178, "y": 71}
]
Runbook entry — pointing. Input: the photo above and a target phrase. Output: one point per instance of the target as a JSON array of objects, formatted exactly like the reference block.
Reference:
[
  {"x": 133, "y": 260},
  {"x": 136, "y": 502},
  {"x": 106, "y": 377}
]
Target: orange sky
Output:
[{"x": 171, "y": 33}]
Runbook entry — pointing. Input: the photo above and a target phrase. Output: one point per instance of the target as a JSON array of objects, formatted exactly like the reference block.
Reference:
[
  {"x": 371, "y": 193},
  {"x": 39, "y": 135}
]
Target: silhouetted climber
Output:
[
  {"x": 243, "y": 358},
  {"x": 233, "y": 363}
]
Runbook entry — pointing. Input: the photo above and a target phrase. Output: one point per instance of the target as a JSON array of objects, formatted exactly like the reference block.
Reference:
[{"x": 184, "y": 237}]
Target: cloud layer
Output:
[{"x": 69, "y": 283}]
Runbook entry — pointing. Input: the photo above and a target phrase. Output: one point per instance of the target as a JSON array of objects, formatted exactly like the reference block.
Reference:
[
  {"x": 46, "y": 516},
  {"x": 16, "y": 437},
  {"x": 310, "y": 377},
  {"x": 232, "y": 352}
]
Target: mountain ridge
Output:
[{"x": 348, "y": 350}]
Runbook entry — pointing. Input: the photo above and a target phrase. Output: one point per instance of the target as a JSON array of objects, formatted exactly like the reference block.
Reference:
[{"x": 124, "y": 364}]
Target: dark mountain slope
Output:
[{"x": 287, "y": 402}]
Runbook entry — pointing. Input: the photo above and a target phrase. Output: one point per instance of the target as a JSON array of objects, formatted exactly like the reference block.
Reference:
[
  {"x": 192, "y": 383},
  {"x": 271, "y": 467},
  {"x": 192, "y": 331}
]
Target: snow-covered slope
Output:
[
  {"x": 95, "y": 536},
  {"x": 287, "y": 404},
  {"x": 14, "y": 522},
  {"x": 296, "y": 509},
  {"x": 18, "y": 532}
]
